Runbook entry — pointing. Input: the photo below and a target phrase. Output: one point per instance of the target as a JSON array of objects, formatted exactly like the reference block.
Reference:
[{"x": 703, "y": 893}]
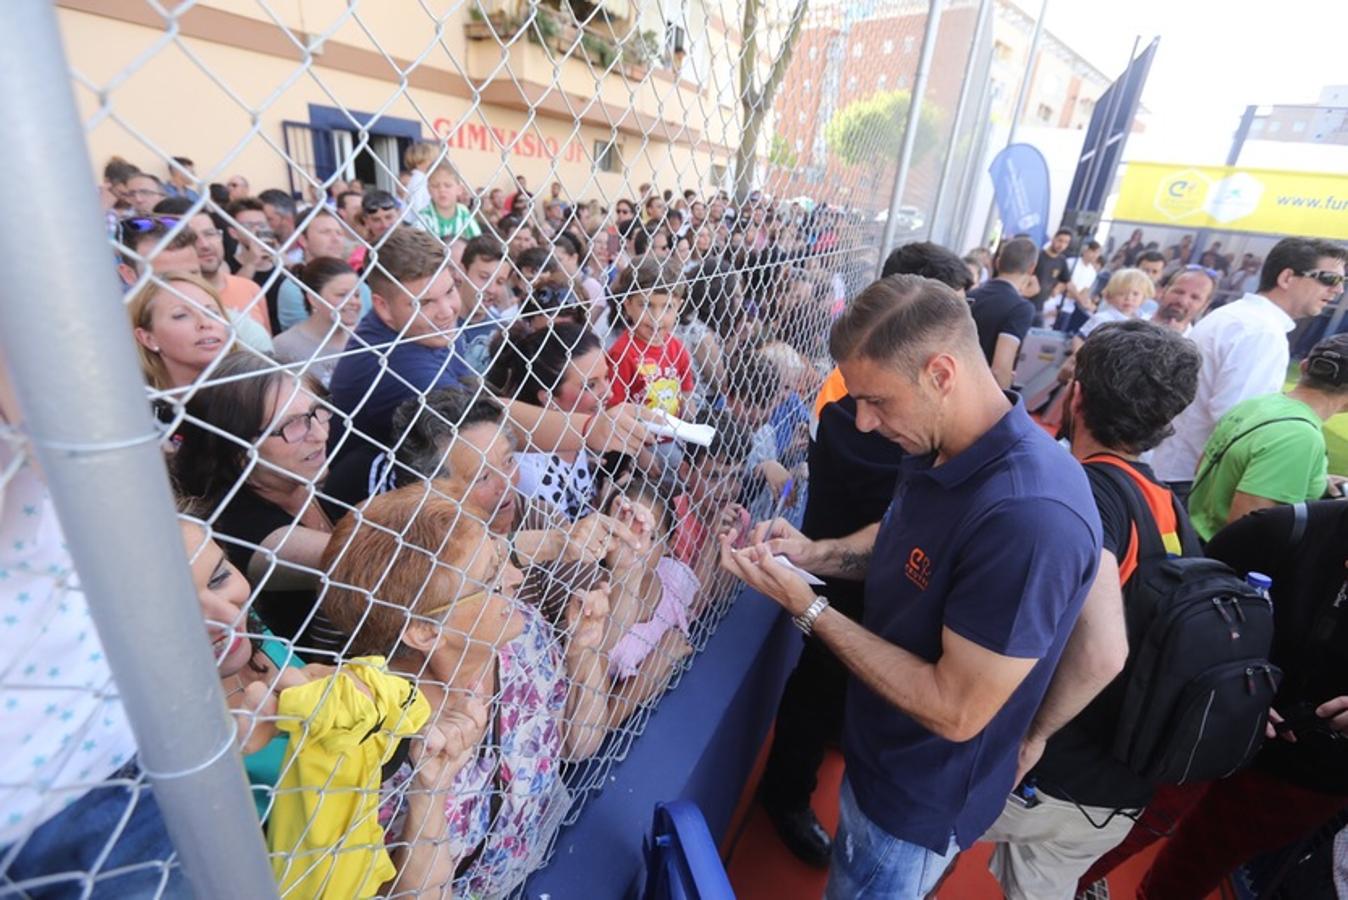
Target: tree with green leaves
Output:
[
  {"x": 870, "y": 130},
  {"x": 756, "y": 99}
]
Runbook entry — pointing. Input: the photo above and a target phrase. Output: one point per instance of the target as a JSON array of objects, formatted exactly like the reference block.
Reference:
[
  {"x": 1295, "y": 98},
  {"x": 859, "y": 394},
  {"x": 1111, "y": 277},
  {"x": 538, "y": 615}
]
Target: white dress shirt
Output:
[{"x": 1244, "y": 349}]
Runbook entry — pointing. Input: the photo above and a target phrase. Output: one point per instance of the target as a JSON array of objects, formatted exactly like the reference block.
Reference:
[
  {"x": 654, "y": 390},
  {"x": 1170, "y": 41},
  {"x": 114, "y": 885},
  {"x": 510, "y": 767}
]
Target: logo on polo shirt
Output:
[{"x": 918, "y": 568}]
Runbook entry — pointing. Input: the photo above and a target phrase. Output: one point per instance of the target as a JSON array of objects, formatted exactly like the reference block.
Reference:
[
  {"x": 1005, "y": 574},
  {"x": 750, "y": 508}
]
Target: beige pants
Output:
[{"x": 1042, "y": 852}]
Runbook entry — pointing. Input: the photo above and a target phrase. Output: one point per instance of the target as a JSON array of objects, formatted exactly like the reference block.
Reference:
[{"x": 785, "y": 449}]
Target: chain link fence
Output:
[{"x": 464, "y": 329}]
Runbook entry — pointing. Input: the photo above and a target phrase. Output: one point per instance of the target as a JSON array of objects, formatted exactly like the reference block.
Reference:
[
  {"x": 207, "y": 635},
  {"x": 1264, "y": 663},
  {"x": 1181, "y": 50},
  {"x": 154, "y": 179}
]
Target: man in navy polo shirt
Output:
[
  {"x": 408, "y": 334},
  {"x": 974, "y": 580}
]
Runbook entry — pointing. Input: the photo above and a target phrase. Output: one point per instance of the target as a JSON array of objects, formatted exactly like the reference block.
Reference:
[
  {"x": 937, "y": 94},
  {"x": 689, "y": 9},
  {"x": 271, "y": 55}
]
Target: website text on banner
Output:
[{"x": 1262, "y": 201}]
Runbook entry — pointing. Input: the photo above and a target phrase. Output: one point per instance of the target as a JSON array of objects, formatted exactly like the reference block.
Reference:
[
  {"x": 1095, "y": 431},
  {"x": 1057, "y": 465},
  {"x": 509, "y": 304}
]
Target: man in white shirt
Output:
[{"x": 1244, "y": 346}]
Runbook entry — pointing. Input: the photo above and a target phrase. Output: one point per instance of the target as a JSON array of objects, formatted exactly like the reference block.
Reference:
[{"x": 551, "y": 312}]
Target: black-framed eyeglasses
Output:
[
  {"x": 1325, "y": 277},
  {"x": 297, "y": 428}
]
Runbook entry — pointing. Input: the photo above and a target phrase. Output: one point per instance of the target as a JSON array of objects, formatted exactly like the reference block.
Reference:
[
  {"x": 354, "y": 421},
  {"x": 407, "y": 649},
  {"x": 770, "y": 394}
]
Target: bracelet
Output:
[{"x": 805, "y": 621}]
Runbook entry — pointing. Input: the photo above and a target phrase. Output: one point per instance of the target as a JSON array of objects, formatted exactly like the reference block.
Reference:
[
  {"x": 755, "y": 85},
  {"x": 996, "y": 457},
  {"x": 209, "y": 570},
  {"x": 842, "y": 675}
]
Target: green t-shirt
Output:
[
  {"x": 1282, "y": 461},
  {"x": 451, "y": 228}
]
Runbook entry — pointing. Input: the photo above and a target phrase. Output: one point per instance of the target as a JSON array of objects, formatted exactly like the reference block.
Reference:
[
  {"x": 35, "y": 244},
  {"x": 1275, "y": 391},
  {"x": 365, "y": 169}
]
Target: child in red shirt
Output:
[{"x": 650, "y": 366}]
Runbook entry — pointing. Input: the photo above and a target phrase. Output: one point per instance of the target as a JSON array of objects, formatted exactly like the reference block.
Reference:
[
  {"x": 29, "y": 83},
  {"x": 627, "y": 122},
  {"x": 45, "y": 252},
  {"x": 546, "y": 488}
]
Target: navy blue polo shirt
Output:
[
  {"x": 1000, "y": 545},
  {"x": 369, "y": 386}
]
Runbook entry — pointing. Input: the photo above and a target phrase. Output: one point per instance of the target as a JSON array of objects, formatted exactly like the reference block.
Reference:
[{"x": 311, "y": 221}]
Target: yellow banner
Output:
[{"x": 1266, "y": 201}]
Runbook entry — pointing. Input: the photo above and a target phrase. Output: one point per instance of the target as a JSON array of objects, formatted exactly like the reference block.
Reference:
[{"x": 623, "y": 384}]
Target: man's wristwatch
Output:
[{"x": 805, "y": 621}]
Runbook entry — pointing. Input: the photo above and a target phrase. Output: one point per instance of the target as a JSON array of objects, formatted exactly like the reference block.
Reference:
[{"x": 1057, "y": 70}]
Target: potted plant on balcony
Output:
[
  {"x": 639, "y": 50},
  {"x": 595, "y": 50},
  {"x": 495, "y": 25}
]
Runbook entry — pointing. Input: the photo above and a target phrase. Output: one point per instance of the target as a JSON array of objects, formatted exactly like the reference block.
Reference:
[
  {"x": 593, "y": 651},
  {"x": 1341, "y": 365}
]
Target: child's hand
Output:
[
  {"x": 775, "y": 473},
  {"x": 733, "y": 521},
  {"x": 586, "y": 617},
  {"x": 597, "y": 537}
]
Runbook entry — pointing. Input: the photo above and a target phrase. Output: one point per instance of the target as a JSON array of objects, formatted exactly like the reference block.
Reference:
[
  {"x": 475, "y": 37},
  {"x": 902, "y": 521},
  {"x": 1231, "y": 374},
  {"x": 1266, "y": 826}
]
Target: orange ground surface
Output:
[{"x": 761, "y": 868}]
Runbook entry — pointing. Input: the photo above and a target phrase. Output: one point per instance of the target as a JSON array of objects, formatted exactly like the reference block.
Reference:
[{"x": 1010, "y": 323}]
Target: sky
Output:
[{"x": 1214, "y": 59}]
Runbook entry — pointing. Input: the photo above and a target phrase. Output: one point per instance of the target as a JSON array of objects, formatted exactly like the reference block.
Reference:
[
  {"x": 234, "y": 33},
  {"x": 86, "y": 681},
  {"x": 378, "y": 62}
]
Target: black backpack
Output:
[{"x": 1198, "y": 685}]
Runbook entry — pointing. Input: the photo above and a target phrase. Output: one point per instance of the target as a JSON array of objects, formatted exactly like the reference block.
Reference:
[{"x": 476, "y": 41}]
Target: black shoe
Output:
[{"x": 802, "y": 834}]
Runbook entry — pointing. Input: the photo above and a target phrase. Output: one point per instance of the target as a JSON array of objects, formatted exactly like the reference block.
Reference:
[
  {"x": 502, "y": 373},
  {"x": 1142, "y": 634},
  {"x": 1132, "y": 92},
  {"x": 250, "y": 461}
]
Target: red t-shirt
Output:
[{"x": 654, "y": 377}]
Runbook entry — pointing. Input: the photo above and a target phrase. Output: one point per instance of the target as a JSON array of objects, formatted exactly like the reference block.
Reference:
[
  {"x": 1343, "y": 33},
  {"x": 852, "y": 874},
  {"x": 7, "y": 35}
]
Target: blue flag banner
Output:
[{"x": 1020, "y": 183}]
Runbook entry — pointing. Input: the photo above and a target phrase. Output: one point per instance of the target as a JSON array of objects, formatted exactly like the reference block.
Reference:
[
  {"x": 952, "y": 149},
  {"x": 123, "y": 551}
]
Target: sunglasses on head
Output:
[
  {"x": 1195, "y": 267},
  {"x": 1325, "y": 277},
  {"x": 142, "y": 224}
]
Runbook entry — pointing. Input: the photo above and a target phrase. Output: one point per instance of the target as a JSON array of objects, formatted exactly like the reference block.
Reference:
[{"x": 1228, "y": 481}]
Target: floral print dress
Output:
[{"x": 509, "y": 799}]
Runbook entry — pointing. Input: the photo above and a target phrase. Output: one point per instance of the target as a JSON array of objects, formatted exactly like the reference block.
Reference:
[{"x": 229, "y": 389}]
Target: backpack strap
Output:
[
  {"x": 1300, "y": 513},
  {"x": 1160, "y": 528},
  {"x": 1205, "y": 470}
]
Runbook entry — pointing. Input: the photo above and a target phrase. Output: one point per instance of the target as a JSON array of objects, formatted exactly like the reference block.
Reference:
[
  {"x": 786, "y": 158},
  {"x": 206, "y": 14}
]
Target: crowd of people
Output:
[
  {"x": 466, "y": 477},
  {"x": 432, "y": 458}
]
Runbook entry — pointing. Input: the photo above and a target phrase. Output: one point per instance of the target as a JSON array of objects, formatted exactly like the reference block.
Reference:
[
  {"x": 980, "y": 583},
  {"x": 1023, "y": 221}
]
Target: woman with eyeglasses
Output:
[
  {"x": 417, "y": 579},
  {"x": 253, "y": 450},
  {"x": 180, "y": 328},
  {"x": 563, "y": 368}
]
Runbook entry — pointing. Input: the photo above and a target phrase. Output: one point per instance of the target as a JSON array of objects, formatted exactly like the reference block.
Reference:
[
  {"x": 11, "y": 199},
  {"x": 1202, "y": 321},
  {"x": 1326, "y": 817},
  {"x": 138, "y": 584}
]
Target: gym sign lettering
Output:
[
  {"x": 1221, "y": 198},
  {"x": 492, "y": 139}
]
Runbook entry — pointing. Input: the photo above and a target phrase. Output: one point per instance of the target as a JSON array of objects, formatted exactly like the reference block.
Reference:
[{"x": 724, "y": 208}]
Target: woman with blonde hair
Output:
[{"x": 181, "y": 327}]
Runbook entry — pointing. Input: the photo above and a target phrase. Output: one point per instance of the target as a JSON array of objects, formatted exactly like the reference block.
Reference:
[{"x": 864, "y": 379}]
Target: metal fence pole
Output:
[
  {"x": 65, "y": 335},
  {"x": 910, "y": 127},
  {"x": 942, "y": 183},
  {"x": 1023, "y": 96}
]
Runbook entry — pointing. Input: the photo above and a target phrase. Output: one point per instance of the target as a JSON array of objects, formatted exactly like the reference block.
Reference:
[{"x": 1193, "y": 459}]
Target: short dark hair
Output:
[
  {"x": 903, "y": 318},
  {"x": 537, "y": 258},
  {"x": 1135, "y": 378},
  {"x": 184, "y": 161},
  {"x": 647, "y": 274},
  {"x": 243, "y": 204},
  {"x": 731, "y": 443},
  {"x": 424, "y": 427},
  {"x": 373, "y": 201},
  {"x": 1150, "y": 256},
  {"x": 571, "y": 242},
  {"x": 173, "y": 206},
  {"x": 1091, "y": 245},
  {"x": 1066, "y": 231},
  {"x": 484, "y": 246},
  {"x": 278, "y": 199},
  {"x": 341, "y": 198},
  {"x": 1326, "y": 366},
  {"x": 1017, "y": 256},
  {"x": 537, "y": 362},
  {"x": 930, "y": 261},
  {"x": 1297, "y": 254},
  {"x": 753, "y": 379}
]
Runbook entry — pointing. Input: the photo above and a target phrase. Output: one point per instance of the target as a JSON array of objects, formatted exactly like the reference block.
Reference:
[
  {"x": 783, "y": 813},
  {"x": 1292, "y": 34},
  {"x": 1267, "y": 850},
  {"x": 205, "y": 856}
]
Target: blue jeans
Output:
[
  {"x": 870, "y": 862},
  {"x": 58, "y": 858}
]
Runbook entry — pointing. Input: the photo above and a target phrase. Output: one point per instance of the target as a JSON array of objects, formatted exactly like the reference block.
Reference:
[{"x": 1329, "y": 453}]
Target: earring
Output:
[{"x": 154, "y": 349}]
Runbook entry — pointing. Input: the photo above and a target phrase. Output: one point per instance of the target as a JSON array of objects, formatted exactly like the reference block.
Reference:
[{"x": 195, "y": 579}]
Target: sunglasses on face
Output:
[{"x": 1325, "y": 277}]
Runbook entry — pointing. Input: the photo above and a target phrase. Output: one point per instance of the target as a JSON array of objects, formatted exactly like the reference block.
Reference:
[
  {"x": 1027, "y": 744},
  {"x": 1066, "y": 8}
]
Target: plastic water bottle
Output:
[{"x": 1260, "y": 582}]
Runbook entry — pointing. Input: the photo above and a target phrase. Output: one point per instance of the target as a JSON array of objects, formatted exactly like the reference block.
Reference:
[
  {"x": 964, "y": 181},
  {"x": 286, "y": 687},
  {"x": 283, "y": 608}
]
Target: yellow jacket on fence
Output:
[{"x": 324, "y": 819}]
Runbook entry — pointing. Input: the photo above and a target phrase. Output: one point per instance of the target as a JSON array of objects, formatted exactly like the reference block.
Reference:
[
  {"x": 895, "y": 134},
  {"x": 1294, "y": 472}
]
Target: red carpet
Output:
[{"x": 762, "y": 869}]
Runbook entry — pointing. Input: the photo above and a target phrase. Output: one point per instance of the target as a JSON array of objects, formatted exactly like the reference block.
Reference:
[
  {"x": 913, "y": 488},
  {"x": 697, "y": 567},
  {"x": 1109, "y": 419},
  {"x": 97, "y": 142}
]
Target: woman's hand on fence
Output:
[
  {"x": 448, "y": 743},
  {"x": 586, "y": 618}
]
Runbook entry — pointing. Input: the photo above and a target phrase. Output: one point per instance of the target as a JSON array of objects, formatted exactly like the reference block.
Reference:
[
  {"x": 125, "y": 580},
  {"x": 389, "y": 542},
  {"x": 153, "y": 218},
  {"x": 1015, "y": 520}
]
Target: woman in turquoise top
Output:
[{"x": 254, "y": 666}]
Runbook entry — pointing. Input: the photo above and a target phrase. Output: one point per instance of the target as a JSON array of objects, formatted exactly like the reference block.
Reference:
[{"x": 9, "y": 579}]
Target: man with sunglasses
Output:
[{"x": 1244, "y": 346}]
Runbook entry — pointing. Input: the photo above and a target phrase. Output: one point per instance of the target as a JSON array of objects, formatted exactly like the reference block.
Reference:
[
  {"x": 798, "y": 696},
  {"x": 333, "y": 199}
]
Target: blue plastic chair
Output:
[{"x": 682, "y": 862}]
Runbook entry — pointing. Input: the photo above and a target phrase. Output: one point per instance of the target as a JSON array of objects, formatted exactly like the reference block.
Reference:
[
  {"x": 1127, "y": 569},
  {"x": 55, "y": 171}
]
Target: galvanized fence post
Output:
[{"x": 65, "y": 335}]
